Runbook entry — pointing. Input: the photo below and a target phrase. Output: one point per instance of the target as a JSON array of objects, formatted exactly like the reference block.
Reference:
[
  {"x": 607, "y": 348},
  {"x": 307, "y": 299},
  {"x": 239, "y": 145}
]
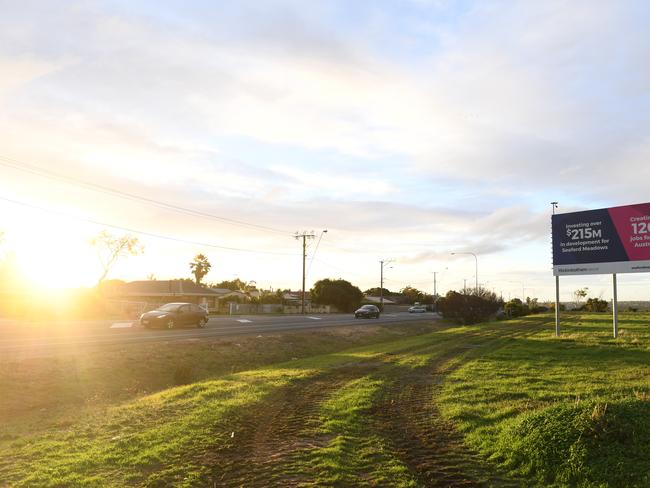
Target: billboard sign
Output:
[{"x": 603, "y": 241}]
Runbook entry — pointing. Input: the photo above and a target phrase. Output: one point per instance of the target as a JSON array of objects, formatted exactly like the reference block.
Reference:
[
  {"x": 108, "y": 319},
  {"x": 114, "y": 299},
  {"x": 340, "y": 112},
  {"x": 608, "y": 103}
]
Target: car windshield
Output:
[
  {"x": 170, "y": 307},
  {"x": 368, "y": 307}
]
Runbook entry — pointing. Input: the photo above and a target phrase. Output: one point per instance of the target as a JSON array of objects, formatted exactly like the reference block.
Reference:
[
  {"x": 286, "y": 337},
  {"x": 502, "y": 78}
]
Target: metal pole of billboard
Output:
[
  {"x": 615, "y": 307},
  {"x": 557, "y": 306},
  {"x": 557, "y": 291}
]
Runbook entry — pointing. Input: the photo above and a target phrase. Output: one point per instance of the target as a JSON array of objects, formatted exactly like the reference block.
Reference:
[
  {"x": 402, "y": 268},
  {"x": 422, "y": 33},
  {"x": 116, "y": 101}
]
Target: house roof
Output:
[
  {"x": 222, "y": 291},
  {"x": 296, "y": 295},
  {"x": 378, "y": 300},
  {"x": 162, "y": 288}
]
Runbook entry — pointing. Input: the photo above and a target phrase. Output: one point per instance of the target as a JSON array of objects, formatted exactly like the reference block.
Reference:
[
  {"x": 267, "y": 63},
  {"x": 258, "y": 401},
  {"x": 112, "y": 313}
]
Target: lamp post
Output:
[{"x": 476, "y": 261}]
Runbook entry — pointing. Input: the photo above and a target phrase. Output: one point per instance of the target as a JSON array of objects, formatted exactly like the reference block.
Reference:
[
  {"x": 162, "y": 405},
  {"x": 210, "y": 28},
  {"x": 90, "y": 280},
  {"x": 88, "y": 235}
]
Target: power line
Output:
[
  {"x": 27, "y": 168},
  {"x": 141, "y": 232}
]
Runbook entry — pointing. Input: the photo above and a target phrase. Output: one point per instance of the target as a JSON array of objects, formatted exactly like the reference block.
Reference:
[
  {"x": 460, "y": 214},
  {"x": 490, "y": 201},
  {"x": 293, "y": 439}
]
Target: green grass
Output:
[
  {"x": 561, "y": 410},
  {"x": 161, "y": 438},
  {"x": 354, "y": 453},
  {"x": 568, "y": 411},
  {"x": 47, "y": 393}
]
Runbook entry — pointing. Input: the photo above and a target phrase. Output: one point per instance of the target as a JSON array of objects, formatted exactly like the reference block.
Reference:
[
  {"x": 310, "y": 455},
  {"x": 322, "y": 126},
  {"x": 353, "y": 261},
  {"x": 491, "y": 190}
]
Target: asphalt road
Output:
[{"x": 57, "y": 336}]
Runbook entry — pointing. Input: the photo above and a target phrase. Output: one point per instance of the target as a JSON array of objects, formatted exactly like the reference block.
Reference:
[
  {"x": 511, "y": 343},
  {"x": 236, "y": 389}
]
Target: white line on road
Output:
[
  {"x": 314, "y": 318},
  {"x": 244, "y": 321},
  {"x": 121, "y": 325}
]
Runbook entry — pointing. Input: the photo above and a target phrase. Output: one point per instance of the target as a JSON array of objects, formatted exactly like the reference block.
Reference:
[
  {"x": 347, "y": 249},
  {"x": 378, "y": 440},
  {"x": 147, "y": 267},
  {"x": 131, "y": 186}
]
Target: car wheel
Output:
[
  {"x": 202, "y": 322},
  {"x": 170, "y": 324}
]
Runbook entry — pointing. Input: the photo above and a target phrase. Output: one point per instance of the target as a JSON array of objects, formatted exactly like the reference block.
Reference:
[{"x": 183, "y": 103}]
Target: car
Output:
[
  {"x": 173, "y": 315},
  {"x": 417, "y": 309},
  {"x": 367, "y": 311}
]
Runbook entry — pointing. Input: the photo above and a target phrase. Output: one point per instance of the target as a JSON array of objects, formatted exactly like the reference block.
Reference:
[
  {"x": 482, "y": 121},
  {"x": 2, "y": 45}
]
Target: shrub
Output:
[
  {"x": 586, "y": 444},
  {"x": 469, "y": 307},
  {"x": 516, "y": 308},
  {"x": 595, "y": 305}
]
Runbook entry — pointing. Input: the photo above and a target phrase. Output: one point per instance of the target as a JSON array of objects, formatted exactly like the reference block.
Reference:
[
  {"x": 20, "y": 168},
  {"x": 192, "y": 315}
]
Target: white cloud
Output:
[{"x": 518, "y": 100}]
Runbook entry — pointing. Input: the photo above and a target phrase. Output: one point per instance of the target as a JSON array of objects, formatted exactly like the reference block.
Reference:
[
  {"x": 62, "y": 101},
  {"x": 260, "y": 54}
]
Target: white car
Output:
[{"x": 417, "y": 309}]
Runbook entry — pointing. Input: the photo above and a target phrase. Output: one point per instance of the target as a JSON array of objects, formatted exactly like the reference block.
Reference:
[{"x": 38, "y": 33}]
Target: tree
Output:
[
  {"x": 111, "y": 248},
  {"x": 469, "y": 307},
  {"x": 411, "y": 294},
  {"x": 340, "y": 293},
  {"x": 200, "y": 267},
  {"x": 233, "y": 285},
  {"x": 579, "y": 294},
  {"x": 376, "y": 291}
]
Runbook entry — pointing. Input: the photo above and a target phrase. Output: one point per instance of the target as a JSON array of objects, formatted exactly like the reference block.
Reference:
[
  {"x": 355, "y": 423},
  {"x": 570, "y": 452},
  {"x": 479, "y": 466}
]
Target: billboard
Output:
[{"x": 603, "y": 241}]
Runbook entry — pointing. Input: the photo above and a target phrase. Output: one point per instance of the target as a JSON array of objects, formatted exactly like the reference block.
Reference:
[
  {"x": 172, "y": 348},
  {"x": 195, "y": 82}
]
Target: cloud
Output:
[{"x": 410, "y": 134}]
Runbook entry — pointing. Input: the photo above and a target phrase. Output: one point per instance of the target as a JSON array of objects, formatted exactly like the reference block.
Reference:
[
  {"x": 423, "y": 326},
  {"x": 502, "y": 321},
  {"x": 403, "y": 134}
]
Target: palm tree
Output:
[{"x": 200, "y": 267}]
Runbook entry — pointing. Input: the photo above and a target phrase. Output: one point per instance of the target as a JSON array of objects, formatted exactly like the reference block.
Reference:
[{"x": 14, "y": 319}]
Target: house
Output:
[
  {"x": 155, "y": 292},
  {"x": 223, "y": 294},
  {"x": 295, "y": 297},
  {"x": 377, "y": 300}
]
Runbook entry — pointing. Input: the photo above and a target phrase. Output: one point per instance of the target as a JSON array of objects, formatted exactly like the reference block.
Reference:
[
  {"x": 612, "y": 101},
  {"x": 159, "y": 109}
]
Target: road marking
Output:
[
  {"x": 314, "y": 318},
  {"x": 244, "y": 321},
  {"x": 121, "y": 325},
  {"x": 390, "y": 315}
]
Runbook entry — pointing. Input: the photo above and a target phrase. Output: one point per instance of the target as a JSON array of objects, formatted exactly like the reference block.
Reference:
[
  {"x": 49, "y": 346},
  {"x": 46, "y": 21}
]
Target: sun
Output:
[{"x": 54, "y": 256}]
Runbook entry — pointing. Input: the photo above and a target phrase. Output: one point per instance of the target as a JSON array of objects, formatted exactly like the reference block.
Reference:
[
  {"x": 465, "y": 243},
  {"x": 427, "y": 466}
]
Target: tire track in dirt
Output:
[
  {"x": 407, "y": 416},
  {"x": 269, "y": 434}
]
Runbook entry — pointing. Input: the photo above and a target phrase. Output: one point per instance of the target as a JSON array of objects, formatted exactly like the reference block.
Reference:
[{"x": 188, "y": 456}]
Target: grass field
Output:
[{"x": 499, "y": 404}]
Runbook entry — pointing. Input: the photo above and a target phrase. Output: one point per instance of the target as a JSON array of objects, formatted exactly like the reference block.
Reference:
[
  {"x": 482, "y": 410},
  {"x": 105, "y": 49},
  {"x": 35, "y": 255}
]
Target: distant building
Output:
[
  {"x": 376, "y": 300},
  {"x": 161, "y": 291}
]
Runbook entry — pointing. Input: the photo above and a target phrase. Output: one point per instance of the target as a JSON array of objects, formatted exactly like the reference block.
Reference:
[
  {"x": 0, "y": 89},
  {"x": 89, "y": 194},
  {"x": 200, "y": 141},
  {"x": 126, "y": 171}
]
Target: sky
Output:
[{"x": 409, "y": 130}]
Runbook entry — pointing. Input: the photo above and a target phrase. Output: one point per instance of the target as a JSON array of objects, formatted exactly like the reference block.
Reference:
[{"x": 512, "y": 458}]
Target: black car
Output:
[
  {"x": 173, "y": 315},
  {"x": 367, "y": 311}
]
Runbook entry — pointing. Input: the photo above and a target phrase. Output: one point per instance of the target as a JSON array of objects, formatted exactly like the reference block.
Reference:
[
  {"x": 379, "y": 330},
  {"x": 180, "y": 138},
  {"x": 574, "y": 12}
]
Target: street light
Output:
[{"x": 475, "y": 259}]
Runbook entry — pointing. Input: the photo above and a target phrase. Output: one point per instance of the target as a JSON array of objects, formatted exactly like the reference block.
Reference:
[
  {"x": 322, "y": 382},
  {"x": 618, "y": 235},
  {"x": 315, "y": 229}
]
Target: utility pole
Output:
[
  {"x": 381, "y": 283},
  {"x": 435, "y": 293},
  {"x": 304, "y": 236}
]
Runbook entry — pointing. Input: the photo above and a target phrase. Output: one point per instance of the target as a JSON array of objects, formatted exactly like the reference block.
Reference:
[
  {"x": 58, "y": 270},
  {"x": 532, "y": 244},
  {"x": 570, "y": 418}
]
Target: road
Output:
[{"x": 48, "y": 336}]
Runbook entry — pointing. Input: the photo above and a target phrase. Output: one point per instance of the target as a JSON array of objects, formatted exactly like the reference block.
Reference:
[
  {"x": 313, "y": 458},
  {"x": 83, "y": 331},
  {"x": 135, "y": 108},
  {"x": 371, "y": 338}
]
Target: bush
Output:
[
  {"x": 516, "y": 308},
  {"x": 586, "y": 444},
  {"x": 469, "y": 307},
  {"x": 595, "y": 305}
]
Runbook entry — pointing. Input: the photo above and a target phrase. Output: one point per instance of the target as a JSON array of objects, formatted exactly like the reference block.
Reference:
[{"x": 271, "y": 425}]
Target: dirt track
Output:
[{"x": 267, "y": 439}]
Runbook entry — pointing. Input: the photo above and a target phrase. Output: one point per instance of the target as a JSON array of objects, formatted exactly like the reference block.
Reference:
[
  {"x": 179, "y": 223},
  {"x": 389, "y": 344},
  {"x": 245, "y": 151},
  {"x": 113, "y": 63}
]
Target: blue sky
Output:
[{"x": 407, "y": 129}]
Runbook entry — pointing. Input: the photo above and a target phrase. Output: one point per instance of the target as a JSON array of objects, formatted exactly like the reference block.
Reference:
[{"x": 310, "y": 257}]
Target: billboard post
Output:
[
  {"x": 615, "y": 307},
  {"x": 557, "y": 306},
  {"x": 603, "y": 241}
]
